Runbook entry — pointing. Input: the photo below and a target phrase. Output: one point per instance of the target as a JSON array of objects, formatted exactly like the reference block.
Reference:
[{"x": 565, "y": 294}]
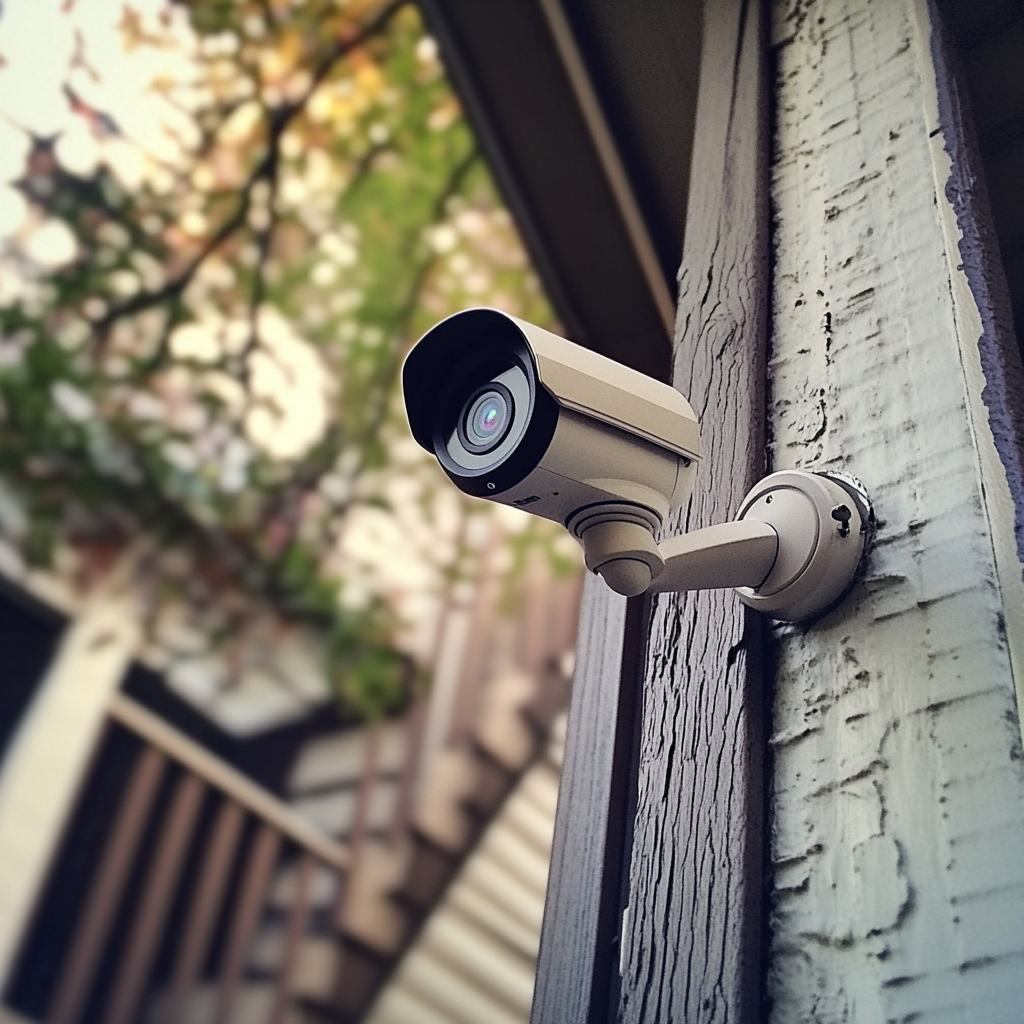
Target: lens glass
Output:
[{"x": 486, "y": 417}]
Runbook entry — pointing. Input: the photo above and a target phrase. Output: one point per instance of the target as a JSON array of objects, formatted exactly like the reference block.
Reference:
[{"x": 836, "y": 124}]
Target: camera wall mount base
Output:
[{"x": 792, "y": 551}]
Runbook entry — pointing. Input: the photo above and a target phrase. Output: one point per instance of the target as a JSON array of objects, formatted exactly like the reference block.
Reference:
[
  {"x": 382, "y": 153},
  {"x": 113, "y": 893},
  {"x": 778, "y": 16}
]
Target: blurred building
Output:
[
  {"x": 186, "y": 839},
  {"x": 171, "y": 872}
]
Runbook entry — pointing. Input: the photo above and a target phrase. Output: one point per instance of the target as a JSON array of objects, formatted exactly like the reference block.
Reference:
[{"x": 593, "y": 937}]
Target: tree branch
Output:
[{"x": 278, "y": 122}]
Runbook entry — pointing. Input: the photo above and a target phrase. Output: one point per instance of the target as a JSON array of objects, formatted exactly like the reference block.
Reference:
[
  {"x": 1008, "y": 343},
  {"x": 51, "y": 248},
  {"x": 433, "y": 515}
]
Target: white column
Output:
[
  {"x": 50, "y": 754},
  {"x": 897, "y": 831}
]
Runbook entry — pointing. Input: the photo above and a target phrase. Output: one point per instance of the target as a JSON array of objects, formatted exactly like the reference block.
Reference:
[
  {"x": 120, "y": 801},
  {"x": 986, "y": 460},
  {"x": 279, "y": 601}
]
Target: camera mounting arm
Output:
[
  {"x": 736, "y": 554},
  {"x": 792, "y": 551}
]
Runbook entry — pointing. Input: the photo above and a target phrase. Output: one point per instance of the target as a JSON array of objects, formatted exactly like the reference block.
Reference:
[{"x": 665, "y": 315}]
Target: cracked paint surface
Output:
[{"x": 897, "y": 818}]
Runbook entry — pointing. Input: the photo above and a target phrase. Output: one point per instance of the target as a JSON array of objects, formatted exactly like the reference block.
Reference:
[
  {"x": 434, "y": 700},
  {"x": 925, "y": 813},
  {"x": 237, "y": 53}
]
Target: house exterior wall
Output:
[{"x": 897, "y": 802}]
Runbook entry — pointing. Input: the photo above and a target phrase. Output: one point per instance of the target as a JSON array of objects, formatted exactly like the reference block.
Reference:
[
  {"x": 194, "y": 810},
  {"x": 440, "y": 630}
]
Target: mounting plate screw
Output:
[{"x": 841, "y": 514}]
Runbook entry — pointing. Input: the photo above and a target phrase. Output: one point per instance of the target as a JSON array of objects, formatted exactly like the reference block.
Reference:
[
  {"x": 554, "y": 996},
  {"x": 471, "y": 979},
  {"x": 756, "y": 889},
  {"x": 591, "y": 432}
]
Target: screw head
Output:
[{"x": 841, "y": 514}]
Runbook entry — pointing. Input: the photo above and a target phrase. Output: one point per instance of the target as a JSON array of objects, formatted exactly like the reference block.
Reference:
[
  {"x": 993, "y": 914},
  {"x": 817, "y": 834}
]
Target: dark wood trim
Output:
[
  {"x": 680, "y": 800},
  {"x": 614, "y": 894},
  {"x": 574, "y": 945},
  {"x": 1001, "y": 344},
  {"x": 693, "y": 944},
  {"x": 610, "y": 159}
]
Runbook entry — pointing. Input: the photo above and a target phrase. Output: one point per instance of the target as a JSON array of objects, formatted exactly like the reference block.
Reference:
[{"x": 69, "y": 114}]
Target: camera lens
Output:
[{"x": 486, "y": 417}]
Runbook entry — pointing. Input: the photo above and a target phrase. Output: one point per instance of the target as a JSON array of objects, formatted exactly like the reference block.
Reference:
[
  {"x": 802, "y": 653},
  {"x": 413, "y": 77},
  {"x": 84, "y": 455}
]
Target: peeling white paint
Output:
[{"x": 897, "y": 829}]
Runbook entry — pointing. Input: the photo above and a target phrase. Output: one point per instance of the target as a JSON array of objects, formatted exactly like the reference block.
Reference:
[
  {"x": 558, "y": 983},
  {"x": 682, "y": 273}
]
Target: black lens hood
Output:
[{"x": 442, "y": 361}]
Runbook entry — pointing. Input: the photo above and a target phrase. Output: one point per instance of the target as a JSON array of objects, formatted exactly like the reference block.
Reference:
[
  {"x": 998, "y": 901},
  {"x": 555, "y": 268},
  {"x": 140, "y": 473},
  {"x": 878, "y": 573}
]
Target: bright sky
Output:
[{"x": 46, "y": 45}]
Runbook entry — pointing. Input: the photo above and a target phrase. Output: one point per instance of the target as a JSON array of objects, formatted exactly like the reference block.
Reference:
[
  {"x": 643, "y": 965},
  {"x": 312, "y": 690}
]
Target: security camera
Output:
[
  {"x": 521, "y": 416},
  {"x": 518, "y": 415}
]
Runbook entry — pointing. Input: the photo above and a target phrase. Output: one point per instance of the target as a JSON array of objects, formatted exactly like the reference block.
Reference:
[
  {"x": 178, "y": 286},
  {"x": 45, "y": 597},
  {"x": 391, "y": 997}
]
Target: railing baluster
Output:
[
  {"x": 569, "y": 614},
  {"x": 480, "y": 641},
  {"x": 534, "y": 621},
  {"x": 250, "y": 902},
  {"x": 413, "y": 765},
  {"x": 94, "y": 925},
  {"x": 162, "y": 879},
  {"x": 416, "y": 724},
  {"x": 360, "y": 822},
  {"x": 206, "y": 901},
  {"x": 298, "y": 924}
]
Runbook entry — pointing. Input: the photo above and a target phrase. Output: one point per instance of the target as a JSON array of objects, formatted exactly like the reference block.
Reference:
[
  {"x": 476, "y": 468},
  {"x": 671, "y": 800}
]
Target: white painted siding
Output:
[
  {"x": 898, "y": 793},
  {"x": 474, "y": 960}
]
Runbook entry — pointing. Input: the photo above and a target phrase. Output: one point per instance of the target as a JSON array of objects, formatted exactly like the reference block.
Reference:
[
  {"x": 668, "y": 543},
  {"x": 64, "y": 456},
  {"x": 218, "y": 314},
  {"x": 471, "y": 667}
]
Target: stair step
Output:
[
  {"x": 317, "y": 963},
  {"x": 491, "y": 784},
  {"x": 338, "y": 759},
  {"x": 253, "y": 1001},
  {"x": 334, "y": 811},
  {"x": 503, "y": 731},
  {"x": 432, "y": 867},
  {"x": 441, "y": 811},
  {"x": 372, "y": 916},
  {"x": 322, "y": 892},
  {"x": 361, "y": 973}
]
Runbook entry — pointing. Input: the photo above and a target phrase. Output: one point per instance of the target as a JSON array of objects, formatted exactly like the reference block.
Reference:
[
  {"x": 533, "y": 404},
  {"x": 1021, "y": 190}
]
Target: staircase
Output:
[
  {"x": 410, "y": 831},
  {"x": 183, "y": 892}
]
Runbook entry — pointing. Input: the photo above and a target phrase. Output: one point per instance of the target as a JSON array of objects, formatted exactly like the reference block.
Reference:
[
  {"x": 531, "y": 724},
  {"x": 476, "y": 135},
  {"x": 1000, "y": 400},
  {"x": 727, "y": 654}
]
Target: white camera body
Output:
[
  {"x": 519, "y": 415},
  {"x": 573, "y": 436}
]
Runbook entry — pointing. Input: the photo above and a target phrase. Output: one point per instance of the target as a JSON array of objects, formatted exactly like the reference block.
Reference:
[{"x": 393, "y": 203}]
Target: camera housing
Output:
[{"x": 519, "y": 415}]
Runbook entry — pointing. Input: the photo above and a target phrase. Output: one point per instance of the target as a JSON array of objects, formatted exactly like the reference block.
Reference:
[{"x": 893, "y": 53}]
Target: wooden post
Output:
[
  {"x": 898, "y": 791},
  {"x": 578, "y": 948},
  {"x": 692, "y": 942}
]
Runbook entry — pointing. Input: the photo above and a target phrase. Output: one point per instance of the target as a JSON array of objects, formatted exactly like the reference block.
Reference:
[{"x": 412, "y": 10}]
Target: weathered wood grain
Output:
[
  {"x": 898, "y": 794},
  {"x": 580, "y": 896},
  {"x": 692, "y": 947}
]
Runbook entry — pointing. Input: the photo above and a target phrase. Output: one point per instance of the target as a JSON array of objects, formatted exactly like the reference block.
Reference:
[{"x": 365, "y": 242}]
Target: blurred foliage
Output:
[{"x": 201, "y": 337}]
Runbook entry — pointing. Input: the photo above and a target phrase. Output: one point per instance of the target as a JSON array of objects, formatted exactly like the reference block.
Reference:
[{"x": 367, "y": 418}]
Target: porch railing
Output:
[
  {"x": 237, "y": 836},
  {"x": 198, "y": 897}
]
